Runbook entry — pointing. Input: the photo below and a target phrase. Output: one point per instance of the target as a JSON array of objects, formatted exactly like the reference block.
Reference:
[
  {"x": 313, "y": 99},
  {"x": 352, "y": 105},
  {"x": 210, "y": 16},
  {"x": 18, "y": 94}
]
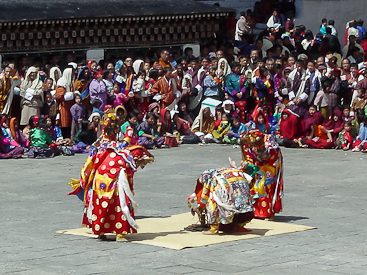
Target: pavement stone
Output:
[{"x": 323, "y": 188}]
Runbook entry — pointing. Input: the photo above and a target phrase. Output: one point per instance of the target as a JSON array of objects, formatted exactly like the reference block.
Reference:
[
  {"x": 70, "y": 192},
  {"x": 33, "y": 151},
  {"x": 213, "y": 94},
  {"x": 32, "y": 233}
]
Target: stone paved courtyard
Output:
[{"x": 323, "y": 188}]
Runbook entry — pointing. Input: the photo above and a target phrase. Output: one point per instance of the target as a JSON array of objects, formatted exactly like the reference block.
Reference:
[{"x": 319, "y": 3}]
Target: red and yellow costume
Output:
[
  {"x": 263, "y": 160},
  {"x": 106, "y": 184}
]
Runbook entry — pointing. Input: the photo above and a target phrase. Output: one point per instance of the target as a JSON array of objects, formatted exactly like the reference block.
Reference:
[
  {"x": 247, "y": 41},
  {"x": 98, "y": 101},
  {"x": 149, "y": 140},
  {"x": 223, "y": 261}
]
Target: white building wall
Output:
[{"x": 310, "y": 13}]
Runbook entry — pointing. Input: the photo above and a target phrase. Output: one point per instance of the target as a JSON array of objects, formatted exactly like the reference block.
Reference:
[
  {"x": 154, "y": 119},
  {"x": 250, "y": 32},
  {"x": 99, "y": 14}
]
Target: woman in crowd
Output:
[
  {"x": 291, "y": 130},
  {"x": 31, "y": 91},
  {"x": 204, "y": 124},
  {"x": 17, "y": 134},
  {"x": 81, "y": 84},
  {"x": 148, "y": 132},
  {"x": 55, "y": 74},
  {"x": 98, "y": 89}
]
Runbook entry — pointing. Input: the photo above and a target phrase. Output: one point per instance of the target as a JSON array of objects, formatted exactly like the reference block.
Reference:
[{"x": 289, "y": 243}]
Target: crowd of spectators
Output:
[{"x": 307, "y": 89}]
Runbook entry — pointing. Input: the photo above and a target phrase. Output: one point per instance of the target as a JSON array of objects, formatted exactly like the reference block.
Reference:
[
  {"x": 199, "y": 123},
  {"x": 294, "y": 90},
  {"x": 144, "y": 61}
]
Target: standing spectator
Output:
[
  {"x": 81, "y": 84},
  {"x": 65, "y": 98},
  {"x": 197, "y": 78},
  {"x": 50, "y": 108},
  {"x": 55, "y": 74},
  {"x": 323, "y": 26},
  {"x": 78, "y": 113},
  {"x": 274, "y": 21},
  {"x": 299, "y": 89},
  {"x": 242, "y": 27},
  {"x": 331, "y": 24},
  {"x": 31, "y": 91},
  {"x": 235, "y": 91},
  {"x": 7, "y": 85},
  {"x": 211, "y": 85},
  {"x": 347, "y": 49},
  {"x": 98, "y": 89},
  {"x": 164, "y": 89},
  {"x": 351, "y": 29},
  {"x": 164, "y": 60}
]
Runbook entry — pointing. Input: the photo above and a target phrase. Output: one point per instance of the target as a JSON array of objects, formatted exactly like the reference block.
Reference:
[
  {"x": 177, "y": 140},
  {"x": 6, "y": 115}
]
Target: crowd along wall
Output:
[{"x": 311, "y": 12}]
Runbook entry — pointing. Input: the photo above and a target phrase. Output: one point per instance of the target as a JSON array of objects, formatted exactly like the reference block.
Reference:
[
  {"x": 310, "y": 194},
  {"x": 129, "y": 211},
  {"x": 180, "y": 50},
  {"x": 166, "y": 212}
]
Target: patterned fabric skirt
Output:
[
  {"x": 264, "y": 206},
  {"x": 40, "y": 152},
  {"x": 107, "y": 216},
  {"x": 15, "y": 153}
]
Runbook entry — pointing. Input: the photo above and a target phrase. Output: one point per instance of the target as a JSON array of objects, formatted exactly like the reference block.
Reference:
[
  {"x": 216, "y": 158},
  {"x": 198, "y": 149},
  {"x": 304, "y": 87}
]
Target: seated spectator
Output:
[
  {"x": 290, "y": 131},
  {"x": 320, "y": 137},
  {"x": 95, "y": 119},
  {"x": 336, "y": 124},
  {"x": 360, "y": 143},
  {"x": 232, "y": 136},
  {"x": 39, "y": 139},
  {"x": 54, "y": 131},
  {"x": 345, "y": 138},
  {"x": 148, "y": 132},
  {"x": 359, "y": 102},
  {"x": 204, "y": 124},
  {"x": 86, "y": 134},
  {"x": 7, "y": 150},
  {"x": 17, "y": 134},
  {"x": 223, "y": 126}
]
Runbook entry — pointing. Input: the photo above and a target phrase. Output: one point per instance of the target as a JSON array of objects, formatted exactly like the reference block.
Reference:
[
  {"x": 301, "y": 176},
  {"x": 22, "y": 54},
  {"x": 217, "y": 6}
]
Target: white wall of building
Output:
[{"x": 310, "y": 13}]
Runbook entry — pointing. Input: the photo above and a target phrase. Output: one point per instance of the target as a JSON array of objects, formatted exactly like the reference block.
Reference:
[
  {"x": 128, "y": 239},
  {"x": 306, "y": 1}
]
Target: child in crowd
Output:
[
  {"x": 263, "y": 85},
  {"x": 5, "y": 123},
  {"x": 345, "y": 139},
  {"x": 154, "y": 108},
  {"x": 78, "y": 113},
  {"x": 96, "y": 104},
  {"x": 232, "y": 136},
  {"x": 346, "y": 114},
  {"x": 271, "y": 119},
  {"x": 261, "y": 123},
  {"x": 322, "y": 100},
  {"x": 50, "y": 108},
  {"x": 94, "y": 119},
  {"x": 148, "y": 132},
  {"x": 120, "y": 97},
  {"x": 56, "y": 133},
  {"x": 223, "y": 126},
  {"x": 129, "y": 129}
]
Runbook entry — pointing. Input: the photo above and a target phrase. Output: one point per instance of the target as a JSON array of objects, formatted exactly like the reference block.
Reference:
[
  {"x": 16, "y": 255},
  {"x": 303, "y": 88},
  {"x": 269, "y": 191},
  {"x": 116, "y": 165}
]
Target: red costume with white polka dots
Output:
[{"x": 109, "y": 207}]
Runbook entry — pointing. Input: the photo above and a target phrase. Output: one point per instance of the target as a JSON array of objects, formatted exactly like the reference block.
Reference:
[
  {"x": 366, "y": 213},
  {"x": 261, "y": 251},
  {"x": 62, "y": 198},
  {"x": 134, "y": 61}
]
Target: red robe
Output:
[
  {"x": 107, "y": 180},
  {"x": 64, "y": 107}
]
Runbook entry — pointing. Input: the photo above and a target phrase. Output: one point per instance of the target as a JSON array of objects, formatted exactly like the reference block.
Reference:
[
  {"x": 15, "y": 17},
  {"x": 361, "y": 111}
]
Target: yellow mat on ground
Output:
[{"x": 168, "y": 232}]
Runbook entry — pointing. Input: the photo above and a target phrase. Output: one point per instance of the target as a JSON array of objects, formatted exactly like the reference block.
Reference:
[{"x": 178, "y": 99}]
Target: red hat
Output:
[{"x": 97, "y": 74}]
